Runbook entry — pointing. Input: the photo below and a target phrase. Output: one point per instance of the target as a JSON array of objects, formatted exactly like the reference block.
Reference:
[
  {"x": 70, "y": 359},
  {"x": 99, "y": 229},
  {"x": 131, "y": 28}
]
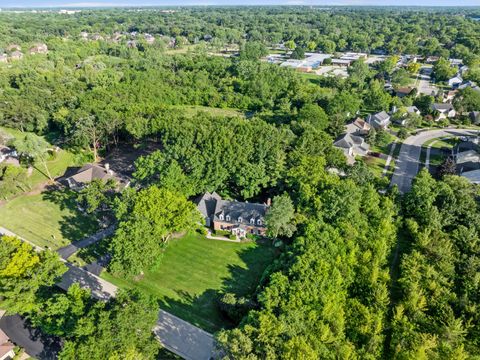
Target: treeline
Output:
[
  {"x": 437, "y": 313},
  {"x": 332, "y": 294},
  {"x": 427, "y": 31}
]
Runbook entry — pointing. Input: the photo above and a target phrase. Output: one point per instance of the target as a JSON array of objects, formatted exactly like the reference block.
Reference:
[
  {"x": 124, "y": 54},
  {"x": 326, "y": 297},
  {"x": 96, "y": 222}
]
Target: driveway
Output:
[
  {"x": 67, "y": 251},
  {"x": 408, "y": 162}
]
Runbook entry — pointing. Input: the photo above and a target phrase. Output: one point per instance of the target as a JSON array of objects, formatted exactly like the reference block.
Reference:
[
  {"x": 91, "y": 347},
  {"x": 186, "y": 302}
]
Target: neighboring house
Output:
[
  {"x": 467, "y": 84},
  {"x": 87, "y": 174},
  {"x": 444, "y": 110},
  {"x": 361, "y": 126},
  {"x": 3, "y": 58},
  {"x": 473, "y": 176},
  {"x": 475, "y": 117},
  {"x": 413, "y": 110},
  {"x": 239, "y": 218},
  {"x": 131, "y": 44},
  {"x": 97, "y": 37},
  {"x": 403, "y": 91},
  {"x": 467, "y": 160},
  {"x": 449, "y": 96},
  {"x": 13, "y": 47},
  {"x": 6, "y": 347},
  {"x": 16, "y": 55},
  {"x": 463, "y": 69},
  {"x": 8, "y": 156},
  {"x": 352, "y": 146},
  {"x": 455, "y": 81},
  {"x": 84, "y": 35},
  {"x": 149, "y": 39},
  {"x": 379, "y": 120},
  {"x": 39, "y": 49}
]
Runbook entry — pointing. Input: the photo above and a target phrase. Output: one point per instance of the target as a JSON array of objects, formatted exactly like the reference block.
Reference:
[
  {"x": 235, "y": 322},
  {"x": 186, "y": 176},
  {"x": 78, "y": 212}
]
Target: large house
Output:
[
  {"x": 444, "y": 110},
  {"x": 239, "y": 218},
  {"x": 87, "y": 174},
  {"x": 352, "y": 145},
  {"x": 379, "y": 120}
]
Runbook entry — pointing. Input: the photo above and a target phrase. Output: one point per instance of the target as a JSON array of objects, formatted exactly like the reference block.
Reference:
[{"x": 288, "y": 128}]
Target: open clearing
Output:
[
  {"x": 192, "y": 272},
  {"x": 50, "y": 219}
]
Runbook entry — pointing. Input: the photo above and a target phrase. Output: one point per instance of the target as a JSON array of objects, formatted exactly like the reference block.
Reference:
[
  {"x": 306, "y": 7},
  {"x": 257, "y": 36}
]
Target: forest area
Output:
[{"x": 361, "y": 272}]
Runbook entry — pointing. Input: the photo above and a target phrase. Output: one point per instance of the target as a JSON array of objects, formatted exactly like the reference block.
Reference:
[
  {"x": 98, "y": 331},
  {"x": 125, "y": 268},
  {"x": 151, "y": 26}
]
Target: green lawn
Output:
[
  {"x": 375, "y": 164},
  {"x": 48, "y": 219},
  {"x": 191, "y": 111},
  {"x": 192, "y": 271}
]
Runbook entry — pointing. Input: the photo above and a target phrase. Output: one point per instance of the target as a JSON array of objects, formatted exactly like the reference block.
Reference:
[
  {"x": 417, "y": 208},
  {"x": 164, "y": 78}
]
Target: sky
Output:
[{"x": 100, "y": 3}]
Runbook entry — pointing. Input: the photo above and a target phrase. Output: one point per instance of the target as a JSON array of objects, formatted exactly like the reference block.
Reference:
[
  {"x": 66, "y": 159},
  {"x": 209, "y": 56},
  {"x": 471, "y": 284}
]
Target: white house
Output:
[
  {"x": 444, "y": 111},
  {"x": 352, "y": 145},
  {"x": 455, "y": 81},
  {"x": 379, "y": 120}
]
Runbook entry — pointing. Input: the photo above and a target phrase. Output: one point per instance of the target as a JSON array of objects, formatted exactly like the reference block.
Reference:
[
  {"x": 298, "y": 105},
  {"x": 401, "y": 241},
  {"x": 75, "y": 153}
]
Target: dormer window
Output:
[
  {"x": 240, "y": 219},
  {"x": 259, "y": 222},
  {"x": 220, "y": 216},
  {"x": 252, "y": 221},
  {"x": 228, "y": 217}
]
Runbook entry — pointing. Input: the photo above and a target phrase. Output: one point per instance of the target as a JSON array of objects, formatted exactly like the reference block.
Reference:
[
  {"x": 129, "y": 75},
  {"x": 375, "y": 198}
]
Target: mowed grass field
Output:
[
  {"x": 50, "y": 219},
  {"x": 192, "y": 272}
]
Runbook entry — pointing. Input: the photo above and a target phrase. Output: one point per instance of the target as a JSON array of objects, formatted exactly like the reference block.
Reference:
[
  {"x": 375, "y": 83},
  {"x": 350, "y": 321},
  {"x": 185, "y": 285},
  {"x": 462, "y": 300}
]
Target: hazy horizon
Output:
[{"x": 171, "y": 3}]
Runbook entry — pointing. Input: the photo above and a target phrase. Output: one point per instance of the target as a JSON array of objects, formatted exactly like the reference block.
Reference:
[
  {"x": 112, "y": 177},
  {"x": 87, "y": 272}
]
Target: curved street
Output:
[{"x": 408, "y": 161}]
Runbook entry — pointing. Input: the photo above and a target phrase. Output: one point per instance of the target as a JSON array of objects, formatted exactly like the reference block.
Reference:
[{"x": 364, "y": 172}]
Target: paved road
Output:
[
  {"x": 67, "y": 251},
  {"x": 35, "y": 343},
  {"x": 194, "y": 344},
  {"x": 175, "y": 334},
  {"x": 424, "y": 85},
  {"x": 408, "y": 162}
]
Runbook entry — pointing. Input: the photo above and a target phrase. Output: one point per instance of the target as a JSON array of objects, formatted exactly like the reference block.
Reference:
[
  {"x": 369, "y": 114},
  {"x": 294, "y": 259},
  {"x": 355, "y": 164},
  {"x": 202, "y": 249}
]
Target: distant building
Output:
[
  {"x": 149, "y": 39},
  {"x": 16, "y": 55},
  {"x": 13, "y": 47},
  {"x": 39, "y": 49},
  {"x": 131, "y": 44},
  {"x": 239, "y": 218},
  {"x": 379, "y": 120},
  {"x": 352, "y": 146},
  {"x": 3, "y": 58}
]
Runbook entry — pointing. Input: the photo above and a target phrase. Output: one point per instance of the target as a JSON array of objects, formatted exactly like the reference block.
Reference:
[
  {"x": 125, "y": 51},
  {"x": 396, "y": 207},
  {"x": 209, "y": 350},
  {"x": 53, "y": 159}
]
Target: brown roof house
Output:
[
  {"x": 352, "y": 146},
  {"x": 361, "y": 126},
  {"x": 240, "y": 218},
  {"x": 87, "y": 174},
  {"x": 6, "y": 347}
]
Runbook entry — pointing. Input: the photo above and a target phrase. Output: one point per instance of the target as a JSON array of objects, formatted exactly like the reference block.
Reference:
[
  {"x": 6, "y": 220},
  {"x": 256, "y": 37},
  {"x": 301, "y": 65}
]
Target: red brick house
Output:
[{"x": 240, "y": 218}]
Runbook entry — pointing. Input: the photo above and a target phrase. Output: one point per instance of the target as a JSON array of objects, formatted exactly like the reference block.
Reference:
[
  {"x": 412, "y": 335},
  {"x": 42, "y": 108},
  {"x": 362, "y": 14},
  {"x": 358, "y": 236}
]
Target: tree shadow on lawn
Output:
[
  {"x": 75, "y": 225},
  {"x": 202, "y": 309}
]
